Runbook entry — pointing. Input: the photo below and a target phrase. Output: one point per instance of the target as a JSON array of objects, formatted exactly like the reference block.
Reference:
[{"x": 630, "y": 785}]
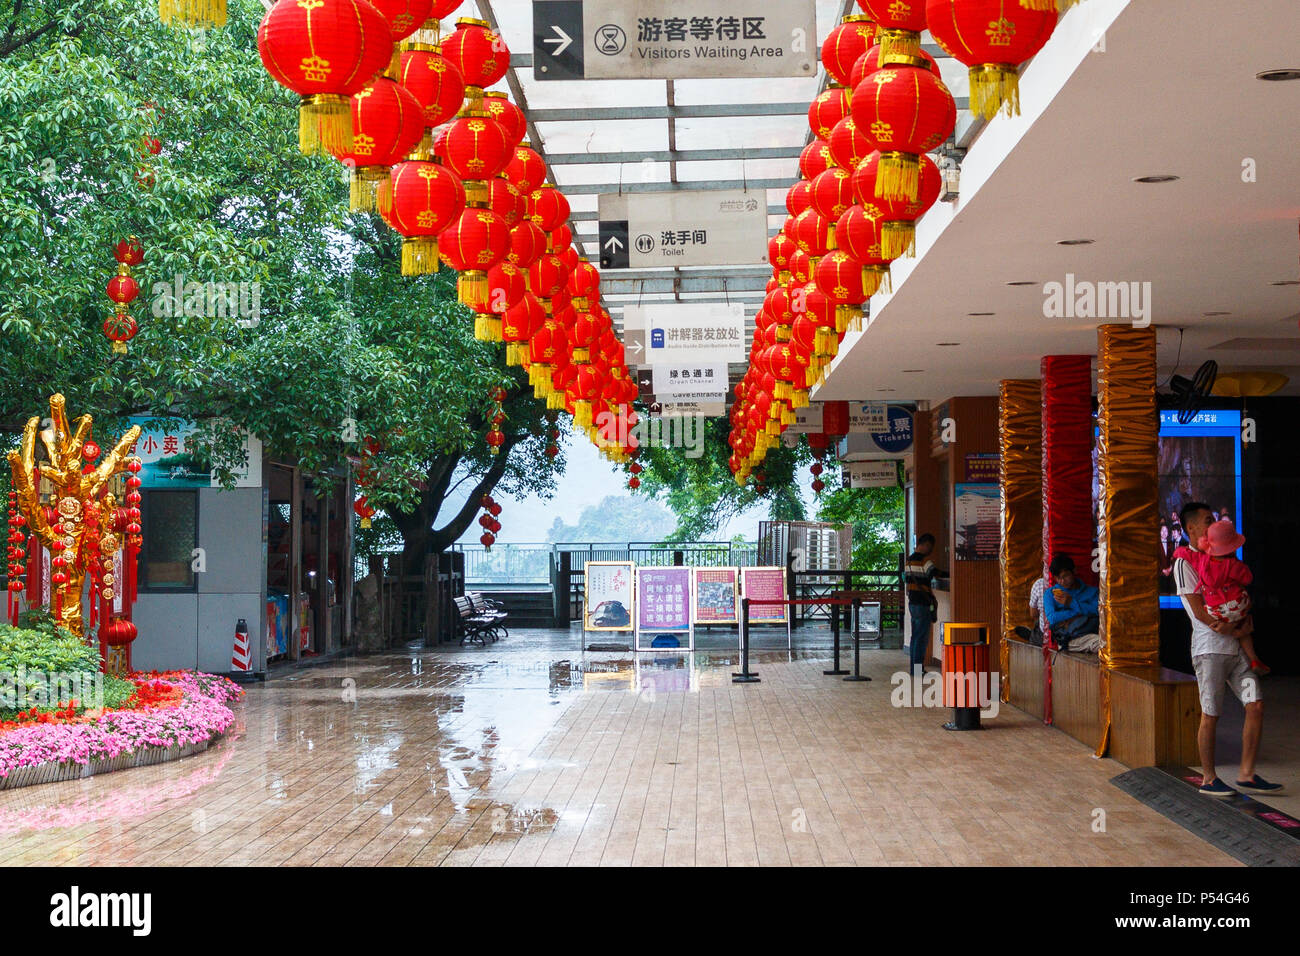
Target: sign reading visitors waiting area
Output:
[
  {"x": 671, "y": 40},
  {"x": 713, "y": 227}
]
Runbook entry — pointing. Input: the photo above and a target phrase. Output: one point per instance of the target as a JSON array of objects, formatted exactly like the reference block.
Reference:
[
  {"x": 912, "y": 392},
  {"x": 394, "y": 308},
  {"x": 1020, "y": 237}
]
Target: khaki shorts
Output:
[{"x": 1215, "y": 671}]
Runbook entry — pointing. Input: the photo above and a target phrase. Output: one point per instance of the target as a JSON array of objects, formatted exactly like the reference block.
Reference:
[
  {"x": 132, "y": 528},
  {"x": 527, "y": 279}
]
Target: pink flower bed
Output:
[{"x": 201, "y": 715}]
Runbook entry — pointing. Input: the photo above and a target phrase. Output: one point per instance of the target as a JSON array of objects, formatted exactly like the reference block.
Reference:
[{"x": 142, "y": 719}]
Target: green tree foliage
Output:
[
  {"x": 623, "y": 518},
  {"x": 341, "y": 348},
  {"x": 877, "y": 517},
  {"x": 702, "y": 492}
]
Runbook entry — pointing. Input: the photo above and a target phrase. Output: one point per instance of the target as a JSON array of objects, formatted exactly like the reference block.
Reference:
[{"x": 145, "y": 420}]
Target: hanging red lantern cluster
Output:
[
  {"x": 495, "y": 436},
  {"x": 122, "y": 289},
  {"x": 865, "y": 181},
  {"x": 634, "y": 470},
  {"x": 17, "y": 554},
  {"x": 489, "y": 522}
]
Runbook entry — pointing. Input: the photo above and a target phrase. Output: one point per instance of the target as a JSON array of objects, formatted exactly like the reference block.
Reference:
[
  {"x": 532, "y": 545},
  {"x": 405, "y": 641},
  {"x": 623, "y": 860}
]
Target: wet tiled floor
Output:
[{"x": 533, "y": 751}]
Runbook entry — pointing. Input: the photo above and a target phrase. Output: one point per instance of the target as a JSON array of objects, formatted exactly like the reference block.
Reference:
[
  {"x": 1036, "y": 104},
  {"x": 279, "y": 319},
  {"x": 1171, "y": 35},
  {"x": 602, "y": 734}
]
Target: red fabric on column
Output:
[{"x": 1068, "y": 522}]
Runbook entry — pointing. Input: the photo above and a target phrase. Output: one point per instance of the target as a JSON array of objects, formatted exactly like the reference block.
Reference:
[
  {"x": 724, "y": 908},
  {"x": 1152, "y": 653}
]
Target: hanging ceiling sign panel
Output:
[
  {"x": 680, "y": 333},
  {"x": 671, "y": 40},
  {"x": 716, "y": 227}
]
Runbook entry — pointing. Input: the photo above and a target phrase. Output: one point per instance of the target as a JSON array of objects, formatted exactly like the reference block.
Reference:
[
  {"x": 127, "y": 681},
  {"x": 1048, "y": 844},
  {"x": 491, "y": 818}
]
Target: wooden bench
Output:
[
  {"x": 475, "y": 627},
  {"x": 1155, "y": 711}
]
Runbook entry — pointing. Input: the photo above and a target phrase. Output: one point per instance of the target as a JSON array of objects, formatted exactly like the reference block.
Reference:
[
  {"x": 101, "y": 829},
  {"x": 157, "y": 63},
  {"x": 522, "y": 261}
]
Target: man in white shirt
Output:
[
  {"x": 1040, "y": 616},
  {"x": 1219, "y": 661}
]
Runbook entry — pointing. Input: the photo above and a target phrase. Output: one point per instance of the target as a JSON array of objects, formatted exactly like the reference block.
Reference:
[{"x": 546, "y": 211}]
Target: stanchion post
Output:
[
  {"x": 746, "y": 676},
  {"x": 835, "y": 634},
  {"x": 857, "y": 647}
]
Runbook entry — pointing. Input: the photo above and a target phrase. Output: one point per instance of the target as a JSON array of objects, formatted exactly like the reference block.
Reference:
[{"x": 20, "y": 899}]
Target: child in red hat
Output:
[{"x": 1224, "y": 580}]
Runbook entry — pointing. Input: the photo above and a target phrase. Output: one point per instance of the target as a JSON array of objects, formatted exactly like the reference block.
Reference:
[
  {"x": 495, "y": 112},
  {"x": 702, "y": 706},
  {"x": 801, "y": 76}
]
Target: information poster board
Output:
[
  {"x": 977, "y": 517},
  {"x": 716, "y": 595},
  {"x": 608, "y": 597},
  {"x": 765, "y": 584},
  {"x": 663, "y": 602}
]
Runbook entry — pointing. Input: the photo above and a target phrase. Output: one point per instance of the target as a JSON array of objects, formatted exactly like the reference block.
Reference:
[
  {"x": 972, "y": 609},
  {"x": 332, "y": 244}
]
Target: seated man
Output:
[
  {"x": 1035, "y": 636},
  {"x": 1069, "y": 605}
]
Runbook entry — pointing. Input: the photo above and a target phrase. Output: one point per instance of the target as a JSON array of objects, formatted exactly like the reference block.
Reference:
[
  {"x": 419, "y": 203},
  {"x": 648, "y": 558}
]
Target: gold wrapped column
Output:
[
  {"x": 1021, "y": 476},
  {"x": 1127, "y": 446}
]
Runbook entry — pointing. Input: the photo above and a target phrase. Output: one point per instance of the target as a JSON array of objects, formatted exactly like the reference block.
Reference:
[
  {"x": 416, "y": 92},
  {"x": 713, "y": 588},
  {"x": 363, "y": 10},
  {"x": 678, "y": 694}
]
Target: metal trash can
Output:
[{"x": 965, "y": 673}]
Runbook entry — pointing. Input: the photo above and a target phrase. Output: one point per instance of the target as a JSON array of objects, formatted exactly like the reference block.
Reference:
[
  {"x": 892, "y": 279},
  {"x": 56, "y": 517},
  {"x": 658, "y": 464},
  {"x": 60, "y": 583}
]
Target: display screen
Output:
[{"x": 1199, "y": 461}]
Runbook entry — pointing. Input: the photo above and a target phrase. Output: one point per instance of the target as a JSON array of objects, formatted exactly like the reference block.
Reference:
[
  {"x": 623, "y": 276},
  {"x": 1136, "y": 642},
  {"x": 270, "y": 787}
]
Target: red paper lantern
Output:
[
  {"x": 898, "y": 216},
  {"x": 870, "y": 62},
  {"x": 473, "y": 243},
  {"x": 845, "y": 44},
  {"x": 505, "y": 200},
  {"x": 548, "y": 208},
  {"x": 815, "y": 158},
  {"x": 120, "y": 328},
  {"x": 547, "y": 276},
  {"x": 507, "y": 286},
  {"x": 832, "y": 193},
  {"x": 129, "y": 252},
  {"x": 992, "y": 37},
  {"x": 422, "y": 200},
  {"x": 387, "y": 121},
  {"x": 848, "y": 285},
  {"x": 584, "y": 284},
  {"x": 476, "y": 149},
  {"x": 434, "y": 81},
  {"x": 527, "y": 243},
  {"x": 798, "y": 197},
  {"x": 518, "y": 325},
  {"x": 122, "y": 289},
  {"x": 510, "y": 116},
  {"x": 860, "y": 237},
  {"x": 526, "y": 169},
  {"x": 779, "y": 249},
  {"x": 800, "y": 266},
  {"x": 831, "y": 106},
  {"x": 899, "y": 24},
  {"x": 325, "y": 51},
  {"x": 481, "y": 56},
  {"x": 908, "y": 111},
  {"x": 813, "y": 232},
  {"x": 849, "y": 145}
]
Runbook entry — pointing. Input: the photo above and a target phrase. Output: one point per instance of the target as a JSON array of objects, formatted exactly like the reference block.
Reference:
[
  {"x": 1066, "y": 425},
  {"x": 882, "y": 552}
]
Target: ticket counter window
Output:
[{"x": 170, "y": 524}]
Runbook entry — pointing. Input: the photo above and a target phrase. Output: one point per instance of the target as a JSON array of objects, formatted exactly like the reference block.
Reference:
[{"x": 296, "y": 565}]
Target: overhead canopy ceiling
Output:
[{"x": 1162, "y": 94}]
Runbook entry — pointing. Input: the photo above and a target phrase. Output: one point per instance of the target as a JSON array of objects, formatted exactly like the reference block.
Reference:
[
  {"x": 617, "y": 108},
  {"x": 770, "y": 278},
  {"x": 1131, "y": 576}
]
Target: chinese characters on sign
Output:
[
  {"x": 680, "y": 29},
  {"x": 682, "y": 228},
  {"x": 715, "y": 595},
  {"x": 170, "y": 462},
  {"x": 691, "y": 334},
  {"x": 978, "y": 521},
  {"x": 664, "y": 599},
  {"x": 608, "y": 596},
  {"x": 764, "y": 584},
  {"x": 690, "y": 381}
]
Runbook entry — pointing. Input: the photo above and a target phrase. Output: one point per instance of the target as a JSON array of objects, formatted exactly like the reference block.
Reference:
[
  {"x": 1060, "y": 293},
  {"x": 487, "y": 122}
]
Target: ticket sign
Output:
[
  {"x": 715, "y": 227},
  {"x": 766, "y": 584},
  {"x": 663, "y": 599},
  {"x": 608, "y": 597},
  {"x": 715, "y": 595},
  {"x": 679, "y": 333},
  {"x": 669, "y": 40}
]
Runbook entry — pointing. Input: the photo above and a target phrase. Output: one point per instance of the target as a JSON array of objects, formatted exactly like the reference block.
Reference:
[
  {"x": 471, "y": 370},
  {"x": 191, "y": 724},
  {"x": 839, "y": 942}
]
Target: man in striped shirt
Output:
[{"x": 919, "y": 575}]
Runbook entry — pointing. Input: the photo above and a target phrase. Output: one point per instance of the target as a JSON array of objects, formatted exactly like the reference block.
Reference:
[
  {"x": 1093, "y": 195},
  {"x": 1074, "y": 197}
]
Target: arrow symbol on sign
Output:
[
  {"x": 635, "y": 348},
  {"x": 561, "y": 39},
  {"x": 614, "y": 244}
]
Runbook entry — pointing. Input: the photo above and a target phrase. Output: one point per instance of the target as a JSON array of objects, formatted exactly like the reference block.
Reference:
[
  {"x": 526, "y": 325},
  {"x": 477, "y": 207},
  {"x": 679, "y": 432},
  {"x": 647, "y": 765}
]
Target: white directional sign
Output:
[
  {"x": 671, "y": 40},
  {"x": 717, "y": 227},
  {"x": 694, "y": 381},
  {"x": 872, "y": 474},
  {"x": 702, "y": 409},
  {"x": 678, "y": 333},
  {"x": 806, "y": 420}
]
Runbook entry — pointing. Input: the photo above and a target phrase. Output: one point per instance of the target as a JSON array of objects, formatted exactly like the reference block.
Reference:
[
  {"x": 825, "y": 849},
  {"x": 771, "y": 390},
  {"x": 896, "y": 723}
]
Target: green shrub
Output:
[{"x": 117, "y": 691}]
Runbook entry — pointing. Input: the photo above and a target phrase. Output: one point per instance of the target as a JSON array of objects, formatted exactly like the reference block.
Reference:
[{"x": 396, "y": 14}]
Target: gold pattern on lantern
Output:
[
  {"x": 882, "y": 132},
  {"x": 315, "y": 69},
  {"x": 1000, "y": 32}
]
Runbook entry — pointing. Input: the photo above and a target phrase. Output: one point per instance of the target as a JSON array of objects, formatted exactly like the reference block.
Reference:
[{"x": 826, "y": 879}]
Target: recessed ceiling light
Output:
[
  {"x": 1288, "y": 282},
  {"x": 913, "y": 370},
  {"x": 1158, "y": 178},
  {"x": 1024, "y": 282},
  {"x": 1216, "y": 313},
  {"x": 884, "y": 390},
  {"x": 980, "y": 313},
  {"x": 1277, "y": 76},
  {"x": 1075, "y": 242},
  {"x": 948, "y": 343}
]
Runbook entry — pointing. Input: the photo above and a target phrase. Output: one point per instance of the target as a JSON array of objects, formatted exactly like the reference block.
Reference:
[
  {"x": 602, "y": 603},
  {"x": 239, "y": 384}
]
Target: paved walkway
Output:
[{"x": 534, "y": 752}]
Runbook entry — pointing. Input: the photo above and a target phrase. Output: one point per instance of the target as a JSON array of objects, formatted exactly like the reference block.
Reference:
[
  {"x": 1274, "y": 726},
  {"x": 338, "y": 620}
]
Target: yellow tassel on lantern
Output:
[
  {"x": 514, "y": 353},
  {"x": 897, "y": 239},
  {"x": 993, "y": 86},
  {"x": 476, "y": 193},
  {"x": 782, "y": 391},
  {"x": 365, "y": 522},
  {"x": 799, "y": 399},
  {"x": 787, "y": 415},
  {"x": 875, "y": 278},
  {"x": 193, "y": 13},
  {"x": 1059, "y": 5},
  {"x": 364, "y": 194},
  {"x": 472, "y": 289},
  {"x": 420, "y": 256},
  {"x": 582, "y": 413},
  {"x": 783, "y": 333},
  {"x": 119, "y": 348},
  {"x": 325, "y": 124},
  {"x": 424, "y": 149},
  {"x": 899, "y": 174},
  {"x": 581, "y": 356}
]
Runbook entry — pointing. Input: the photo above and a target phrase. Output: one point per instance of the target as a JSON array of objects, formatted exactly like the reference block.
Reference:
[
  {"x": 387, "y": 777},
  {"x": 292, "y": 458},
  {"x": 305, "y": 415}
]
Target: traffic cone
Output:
[{"x": 242, "y": 659}]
